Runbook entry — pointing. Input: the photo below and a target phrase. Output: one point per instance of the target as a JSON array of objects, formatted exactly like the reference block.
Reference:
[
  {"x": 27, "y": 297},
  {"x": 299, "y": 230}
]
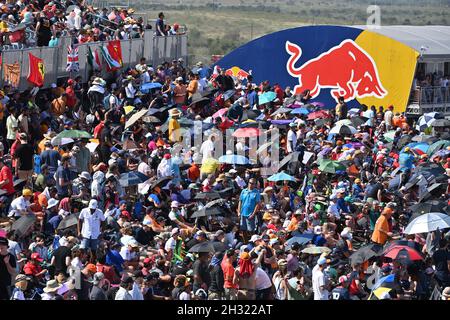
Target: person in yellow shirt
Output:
[
  {"x": 47, "y": 137},
  {"x": 174, "y": 126}
]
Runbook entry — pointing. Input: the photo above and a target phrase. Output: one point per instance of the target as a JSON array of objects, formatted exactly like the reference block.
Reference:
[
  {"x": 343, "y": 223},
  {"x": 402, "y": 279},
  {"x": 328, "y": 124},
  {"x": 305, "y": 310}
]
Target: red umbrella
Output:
[
  {"x": 220, "y": 113},
  {"x": 319, "y": 115},
  {"x": 402, "y": 253},
  {"x": 247, "y": 133}
]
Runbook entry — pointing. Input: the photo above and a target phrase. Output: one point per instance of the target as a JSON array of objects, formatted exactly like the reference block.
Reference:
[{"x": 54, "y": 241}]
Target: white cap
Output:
[
  {"x": 179, "y": 79},
  {"x": 317, "y": 229},
  {"x": 175, "y": 204},
  {"x": 255, "y": 238},
  {"x": 51, "y": 203},
  {"x": 93, "y": 204},
  {"x": 232, "y": 171},
  {"x": 174, "y": 231}
]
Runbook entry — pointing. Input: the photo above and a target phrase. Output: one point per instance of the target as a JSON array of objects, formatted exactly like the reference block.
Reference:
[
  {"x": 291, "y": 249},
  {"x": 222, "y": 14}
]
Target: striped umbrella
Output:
[{"x": 427, "y": 120}]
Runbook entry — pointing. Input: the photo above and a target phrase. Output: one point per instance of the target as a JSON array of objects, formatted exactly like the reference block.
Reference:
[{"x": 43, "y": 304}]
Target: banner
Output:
[
  {"x": 112, "y": 53},
  {"x": 11, "y": 74},
  {"x": 72, "y": 59},
  {"x": 94, "y": 59},
  {"x": 36, "y": 71}
]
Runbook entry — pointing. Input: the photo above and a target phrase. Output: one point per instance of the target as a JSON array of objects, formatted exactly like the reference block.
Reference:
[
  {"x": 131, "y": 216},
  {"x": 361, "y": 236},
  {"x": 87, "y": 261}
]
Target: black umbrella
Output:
[
  {"x": 206, "y": 212},
  {"x": 432, "y": 168},
  {"x": 209, "y": 92},
  {"x": 199, "y": 101},
  {"x": 161, "y": 182},
  {"x": 442, "y": 123},
  {"x": 250, "y": 114},
  {"x": 299, "y": 238},
  {"x": 428, "y": 206},
  {"x": 422, "y": 138},
  {"x": 403, "y": 141},
  {"x": 365, "y": 253},
  {"x": 208, "y": 246},
  {"x": 23, "y": 225},
  {"x": 252, "y": 124},
  {"x": 207, "y": 195},
  {"x": 184, "y": 122},
  {"x": 69, "y": 221},
  {"x": 228, "y": 94},
  {"x": 437, "y": 189},
  {"x": 358, "y": 120},
  {"x": 321, "y": 122},
  {"x": 226, "y": 193}
]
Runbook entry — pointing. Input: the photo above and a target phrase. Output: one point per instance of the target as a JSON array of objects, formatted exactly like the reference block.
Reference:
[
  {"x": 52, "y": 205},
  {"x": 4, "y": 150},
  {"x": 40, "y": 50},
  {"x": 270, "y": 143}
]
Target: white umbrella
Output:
[
  {"x": 135, "y": 117},
  {"x": 345, "y": 130},
  {"x": 56, "y": 141},
  {"x": 428, "y": 222},
  {"x": 344, "y": 122}
]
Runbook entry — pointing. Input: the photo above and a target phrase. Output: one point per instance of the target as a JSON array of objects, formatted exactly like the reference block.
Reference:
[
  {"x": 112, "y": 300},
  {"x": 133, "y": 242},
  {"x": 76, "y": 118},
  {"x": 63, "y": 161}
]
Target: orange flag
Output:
[{"x": 36, "y": 71}]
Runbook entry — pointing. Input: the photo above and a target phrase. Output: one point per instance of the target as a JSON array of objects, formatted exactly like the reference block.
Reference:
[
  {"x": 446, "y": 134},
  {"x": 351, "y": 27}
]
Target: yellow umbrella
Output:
[
  {"x": 128, "y": 109},
  {"x": 316, "y": 250},
  {"x": 379, "y": 293},
  {"x": 209, "y": 166}
]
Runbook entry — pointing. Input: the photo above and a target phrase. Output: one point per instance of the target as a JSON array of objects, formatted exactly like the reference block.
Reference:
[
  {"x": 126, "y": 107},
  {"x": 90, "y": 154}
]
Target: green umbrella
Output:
[
  {"x": 331, "y": 166},
  {"x": 389, "y": 136},
  {"x": 438, "y": 145},
  {"x": 74, "y": 134}
]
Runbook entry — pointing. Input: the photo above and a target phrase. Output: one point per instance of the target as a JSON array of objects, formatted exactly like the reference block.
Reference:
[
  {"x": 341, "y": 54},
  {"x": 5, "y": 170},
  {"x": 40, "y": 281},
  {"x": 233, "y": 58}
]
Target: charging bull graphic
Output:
[
  {"x": 238, "y": 73},
  {"x": 347, "y": 69}
]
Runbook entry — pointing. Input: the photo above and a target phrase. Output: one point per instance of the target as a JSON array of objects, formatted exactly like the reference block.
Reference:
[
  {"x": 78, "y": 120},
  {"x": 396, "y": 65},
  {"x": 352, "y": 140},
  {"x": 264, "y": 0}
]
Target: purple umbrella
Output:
[
  {"x": 295, "y": 106},
  {"x": 282, "y": 122},
  {"x": 318, "y": 104},
  {"x": 325, "y": 151},
  {"x": 353, "y": 145}
]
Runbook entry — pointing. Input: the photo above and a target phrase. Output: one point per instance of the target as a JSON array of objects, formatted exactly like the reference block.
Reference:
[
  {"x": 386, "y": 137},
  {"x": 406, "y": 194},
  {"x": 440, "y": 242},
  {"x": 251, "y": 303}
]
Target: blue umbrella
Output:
[
  {"x": 388, "y": 279},
  {"x": 267, "y": 97},
  {"x": 149, "y": 86},
  {"x": 234, "y": 159},
  {"x": 281, "y": 176},
  {"x": 300, "y": 111},
  {"x": 132, "y": 178},
  {"x": 422, "y": 147}
]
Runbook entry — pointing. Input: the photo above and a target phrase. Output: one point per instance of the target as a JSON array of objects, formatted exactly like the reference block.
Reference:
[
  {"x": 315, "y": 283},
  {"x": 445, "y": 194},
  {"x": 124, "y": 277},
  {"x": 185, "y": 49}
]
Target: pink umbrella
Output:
[
  {"x": 220, "y": 113},
  {"x": 247, "y": 133},
  {"x": 318, "y": 104}
]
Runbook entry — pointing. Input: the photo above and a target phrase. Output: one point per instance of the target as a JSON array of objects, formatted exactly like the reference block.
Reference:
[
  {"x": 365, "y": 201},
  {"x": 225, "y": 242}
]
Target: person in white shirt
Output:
[
  {"x": 125, "y": 286},
  {"x": 207, "y": 148},
  {"x": 333, "y": 209},
  {"x": 388, "y": 116},
  {"x": 89, "y": 223},
  {"x": 263, "y": 285},
  {"x": 170, "y": 244},
  {"x": 291, "y": 138},
  {"x": 21, "y": 205},
  {"x": 320, "y": 280},
  {"x": 136, "y": 292},
  {"x": 130, "y": 251}
]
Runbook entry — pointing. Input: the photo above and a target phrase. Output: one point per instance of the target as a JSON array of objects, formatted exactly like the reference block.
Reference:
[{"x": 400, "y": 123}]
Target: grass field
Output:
[{"x": 217, "y": 27}]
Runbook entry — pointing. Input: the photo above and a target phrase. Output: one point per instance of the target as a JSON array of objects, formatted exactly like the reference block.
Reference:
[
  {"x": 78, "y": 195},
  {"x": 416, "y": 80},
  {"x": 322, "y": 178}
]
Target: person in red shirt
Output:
[
  {"x": 71, "y": 99},
  {"x": 33, "y": 267},
  {"x": 279, "y": 92},
  {"x": 6, "y": 178},
  {"x": 228, "y": 274}
]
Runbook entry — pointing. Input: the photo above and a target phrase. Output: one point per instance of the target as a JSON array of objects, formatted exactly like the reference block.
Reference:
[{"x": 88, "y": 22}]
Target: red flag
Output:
[
  {"x": 115, "y": 51},
  {"x": 36, "y": 71}
]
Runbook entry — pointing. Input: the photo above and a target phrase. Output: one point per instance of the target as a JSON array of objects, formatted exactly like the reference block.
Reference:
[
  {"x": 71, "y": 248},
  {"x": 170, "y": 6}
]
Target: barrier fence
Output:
[{"x": 155, "y": 49}]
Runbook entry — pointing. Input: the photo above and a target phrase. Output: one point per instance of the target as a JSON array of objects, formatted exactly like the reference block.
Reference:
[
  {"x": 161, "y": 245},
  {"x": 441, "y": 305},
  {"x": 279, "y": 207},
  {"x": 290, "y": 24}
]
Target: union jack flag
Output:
[{"x": 72, "y": 59}]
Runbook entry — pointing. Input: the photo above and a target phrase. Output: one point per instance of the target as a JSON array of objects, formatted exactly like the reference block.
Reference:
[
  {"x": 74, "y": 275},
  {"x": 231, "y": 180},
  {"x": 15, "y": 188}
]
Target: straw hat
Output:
[
  {"x": 52, "y": 286},
  {"x": 174, "y": 113}
]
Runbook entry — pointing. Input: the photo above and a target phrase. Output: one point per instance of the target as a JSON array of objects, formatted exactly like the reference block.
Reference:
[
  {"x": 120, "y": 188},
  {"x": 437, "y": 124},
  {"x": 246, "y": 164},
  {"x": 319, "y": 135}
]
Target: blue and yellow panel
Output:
[{"x": 362, "y": 66}]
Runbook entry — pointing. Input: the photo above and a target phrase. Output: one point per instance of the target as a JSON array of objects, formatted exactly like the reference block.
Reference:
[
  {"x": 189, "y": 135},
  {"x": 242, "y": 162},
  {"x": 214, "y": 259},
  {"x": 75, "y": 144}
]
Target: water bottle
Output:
[{"x": 47, "y": 276}]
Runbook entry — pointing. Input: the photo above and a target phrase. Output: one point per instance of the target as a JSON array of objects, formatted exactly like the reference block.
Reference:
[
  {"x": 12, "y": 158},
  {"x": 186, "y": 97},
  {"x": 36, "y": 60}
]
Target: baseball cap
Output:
[
  {"x": 282, "y": 262},
  {"x": 133, "y": 243},
  {"x": 174, "y": 231},
  {"x": 93, "y": 204},
  {"x": 22, "y": 277},
  {"x": 3, "y": 241},
  {"x": 36, "y": 256},
  {"x": 343, "y": 279},
  {"x": 97, "y": 277},
  {"x": 321, "y": 261},
  {"x": 174, "y": 204},
  {"x": 255, "y": 238},
  {"x": 91, "y": 267}
]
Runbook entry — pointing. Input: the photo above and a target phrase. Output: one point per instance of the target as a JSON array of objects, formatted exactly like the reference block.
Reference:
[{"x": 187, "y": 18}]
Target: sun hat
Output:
[
  {"x": 52, "y": 202},
  {"x": 52, "y": 286},
  {"x": 268, "y": 189},
  {"x": 22, "y": 277},
  {"x": 85, "y": 175},
  {"x": 282, "y": 262}
]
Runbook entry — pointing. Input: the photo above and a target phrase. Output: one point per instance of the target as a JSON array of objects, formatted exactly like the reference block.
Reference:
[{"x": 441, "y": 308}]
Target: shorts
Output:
[
  {"x": 89, "y": 244},
  {"x": 247, "y": 224}
]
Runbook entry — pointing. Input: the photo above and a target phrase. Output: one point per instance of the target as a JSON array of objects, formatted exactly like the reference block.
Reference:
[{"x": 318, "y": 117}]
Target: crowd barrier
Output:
[{"x": 155, "y": 49}]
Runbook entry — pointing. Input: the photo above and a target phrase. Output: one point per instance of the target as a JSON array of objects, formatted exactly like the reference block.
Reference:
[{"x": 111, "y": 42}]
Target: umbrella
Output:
[
  {"x": 247, "y": 132},
  {"x": 422, "y": 138},
  {"x": 220, "y": 113},
  {"x": 205, "y": 212},
  {"x": 281, "y": 176},
  {"x": 199, "y": 101},
  {"x": 234, "y": 159},
  {"x": 403, "y": 141},
  {"x": 418, "y": 147},
  {"x": 208, "y": 246},
  {"x": 344, "y": 122},
  {"x": 295, "y": 105},
  {"x": 330, "y": 166},
  {"x": 402, "y": 253},
  {"x": 428, "y": 222},
  {"x": 267, "y": 97},
  {"x": 442, "y": 123},
  {"x": 343, "y": 130},
  {"x": 319, "y": 115},
  {"x": 354, "y": 111},
  {"x": 300, "y": 111},
  {"x": 384, "y": 281},
  {"x": 439, "y": 145},
  {"x": 431, "y": 168},
  {"x": 207, "y": 195},
  {"x": 365, "y": 253},
  {"x": 74, "y": 134},
  {"x": 389, "y": 136},
  {"x": 281, "y": 122},
  {"x": 161, "y": 182},
  {"x": 70, "y": 221},
  {"x": 151, "y": 119},
  {"x": 358, "y": 121},
  {"x": 61, "y": 141},
  {"x": 290, "y": 157},
  {"x": 128, "y": 109},
  {"x": 132, "y": 178},
  {"x": 281, "y": 110},
  {"x": 228, "y": 94},
  {"x": 427, "y": 120},
  {"x": 251, "y": 115},
  {"x": 442, "y": 153},
  {"x": 318, "y": 104},
  {"x": 428, "y": 206},
  {"x": 146, "y": 87},
  {"x": 185, "y": 122},
  {"x": 23, "y": 225},
  {"x": 129, "y": 145},
  {"x": 135, "y": 117},
  {"x": 379, "y": 293},
  {"x": 316, "y": 250},
  {"x": 301, "y": 238}
]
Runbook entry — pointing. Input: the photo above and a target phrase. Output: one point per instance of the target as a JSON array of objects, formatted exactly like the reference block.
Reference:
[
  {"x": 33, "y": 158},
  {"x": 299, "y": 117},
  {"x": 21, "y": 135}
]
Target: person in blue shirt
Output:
[
  {"x": 113, "y": 258},
  {"x": 406, "y": 160},
  {"x": 358, "y": 191},
  {"x": 341, "y": 292},
  {"x": 341, "y": 203},
  {"x": 249, "y": 203}
]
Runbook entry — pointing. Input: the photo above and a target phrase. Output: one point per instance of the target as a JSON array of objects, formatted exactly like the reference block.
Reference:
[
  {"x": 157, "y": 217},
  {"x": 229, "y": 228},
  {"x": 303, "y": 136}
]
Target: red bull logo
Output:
[
  {"x": 237, "y": 73},
  {"x": 347, "y": 69}
]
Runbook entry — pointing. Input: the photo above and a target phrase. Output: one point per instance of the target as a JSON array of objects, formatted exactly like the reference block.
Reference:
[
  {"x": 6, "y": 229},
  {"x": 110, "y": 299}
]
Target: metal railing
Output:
[
  {"x": 155, "y": 49},
  {"x": 429, "y": 99}
]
